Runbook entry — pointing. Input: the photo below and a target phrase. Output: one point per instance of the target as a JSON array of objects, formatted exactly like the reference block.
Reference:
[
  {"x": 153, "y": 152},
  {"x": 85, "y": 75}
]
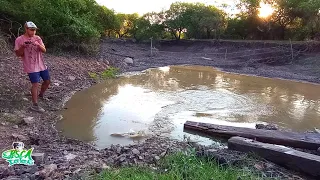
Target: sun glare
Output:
[{"x": 265, "y": 10}]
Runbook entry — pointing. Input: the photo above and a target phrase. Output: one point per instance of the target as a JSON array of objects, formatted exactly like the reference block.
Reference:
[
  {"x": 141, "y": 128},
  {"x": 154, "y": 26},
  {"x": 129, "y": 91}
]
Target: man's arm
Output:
[
  {"x": 19, "y": 47},
  {"x": 41, "y": 46},
  {"x": 20, "y": 51}
]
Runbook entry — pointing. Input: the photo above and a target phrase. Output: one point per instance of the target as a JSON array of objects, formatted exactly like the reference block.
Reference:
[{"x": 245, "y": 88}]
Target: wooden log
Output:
[
  {"x": 284, "y": 156},
  {"x": 293, "y": 139}
]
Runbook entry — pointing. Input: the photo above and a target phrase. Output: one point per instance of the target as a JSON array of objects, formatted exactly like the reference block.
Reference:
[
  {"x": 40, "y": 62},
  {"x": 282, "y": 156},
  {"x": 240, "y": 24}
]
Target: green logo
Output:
[{"x": 18, "y": 155}]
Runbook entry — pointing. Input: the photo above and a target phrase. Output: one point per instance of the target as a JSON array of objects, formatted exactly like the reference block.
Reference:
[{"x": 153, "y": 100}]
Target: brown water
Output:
[{"x": 159, "y": 101}]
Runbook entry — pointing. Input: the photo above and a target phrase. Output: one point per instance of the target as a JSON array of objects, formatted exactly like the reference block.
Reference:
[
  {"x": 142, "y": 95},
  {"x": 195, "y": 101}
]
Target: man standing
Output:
[{"x": 30, "y": 48}]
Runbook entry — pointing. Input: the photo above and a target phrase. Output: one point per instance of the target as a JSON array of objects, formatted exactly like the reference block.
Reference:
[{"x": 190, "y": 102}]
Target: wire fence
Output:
[{"x": 280, "y": 53}]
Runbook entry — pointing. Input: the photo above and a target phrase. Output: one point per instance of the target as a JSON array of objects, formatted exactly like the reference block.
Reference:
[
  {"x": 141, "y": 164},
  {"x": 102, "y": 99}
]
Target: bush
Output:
[{"x": 67, "y": 24}]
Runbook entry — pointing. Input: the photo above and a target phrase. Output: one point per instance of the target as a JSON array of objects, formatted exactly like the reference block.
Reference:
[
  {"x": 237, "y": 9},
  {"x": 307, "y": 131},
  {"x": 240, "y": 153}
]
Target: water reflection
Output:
[{"x": 161, "y": 100}]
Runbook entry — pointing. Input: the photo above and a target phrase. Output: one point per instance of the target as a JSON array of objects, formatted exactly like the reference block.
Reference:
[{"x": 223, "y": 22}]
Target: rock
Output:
[
  {"x": 110, "y": 161},
  {"x": 70, "y": 156},
  {"x": 258, "y": 167},
  {"x": 119, "y": 150},
  {"x": 32, "y": 177},
  {"x": 71, "y": 78},
  {"x": 13, "y": 178},
  {"x": 163, "y": 154},
  {"x": 136, "y": 151},
  {"x": 93, "y": 153},
  {"x": 28, "y": 120},
  {"x": 25, "y": 99},
  {"x": 104, "y": 166},
  {"x": 5, "y": 171},
  {"x": 48, "y": 170},
  {"x": 15, "y": 127},
  {"x": 3, "y": 123},
  {"x": 19, "y": 172},
  {"x": 140, "y": 157},
  {"x": 128, "y": 60},
  {"x": 318, "y": 151},
  {"x": 266, "y": 127},
  {"x": 67, "y": 172},
  {"x": 77, "y": 171},
  {"x": 65, "y": 152},
  {"x": 38, "y": 158},
  {"x": 135, "y": 161},
  {"x": 33, "y": 169},
  {"x": 20, "y": 137},
  {"x": 125, "y": 163},
  {"x": 56, "y": 84},
  {"x": 123, "y": 158},
  {"x": 157, "y": 158},
  {"x": 210, "y": 152}
]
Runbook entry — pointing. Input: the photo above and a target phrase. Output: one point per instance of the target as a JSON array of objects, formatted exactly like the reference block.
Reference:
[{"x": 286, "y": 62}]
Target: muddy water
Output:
[{"x": 158, "y": 102}]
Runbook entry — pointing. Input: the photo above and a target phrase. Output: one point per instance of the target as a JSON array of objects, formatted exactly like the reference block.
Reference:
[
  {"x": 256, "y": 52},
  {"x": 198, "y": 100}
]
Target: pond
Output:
[{"x": 159, "y": 101}]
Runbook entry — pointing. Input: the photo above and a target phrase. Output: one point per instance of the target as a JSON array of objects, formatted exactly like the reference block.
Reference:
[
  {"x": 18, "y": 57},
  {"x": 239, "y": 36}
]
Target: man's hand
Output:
[{"x": 42, "y": 47}]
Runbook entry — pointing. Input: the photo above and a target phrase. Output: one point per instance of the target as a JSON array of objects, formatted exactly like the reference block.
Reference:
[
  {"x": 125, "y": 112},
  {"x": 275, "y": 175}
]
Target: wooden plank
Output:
[
  {"x": 284, "y": 156},
  {"x": 298, "y": 140}
]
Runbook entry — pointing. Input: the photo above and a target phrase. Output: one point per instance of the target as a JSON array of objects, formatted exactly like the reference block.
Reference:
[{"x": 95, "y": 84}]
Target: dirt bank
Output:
[{"x": 69, "y": 158}]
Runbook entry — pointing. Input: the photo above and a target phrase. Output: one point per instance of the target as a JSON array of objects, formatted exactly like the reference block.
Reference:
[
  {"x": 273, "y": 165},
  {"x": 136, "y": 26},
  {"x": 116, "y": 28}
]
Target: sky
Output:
[{"x": 143, "y": 6}]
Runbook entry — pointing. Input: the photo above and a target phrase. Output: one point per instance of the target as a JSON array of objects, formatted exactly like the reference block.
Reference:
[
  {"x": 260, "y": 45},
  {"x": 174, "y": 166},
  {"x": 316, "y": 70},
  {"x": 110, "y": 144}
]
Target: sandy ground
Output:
[{"x": 66, "y": 158}]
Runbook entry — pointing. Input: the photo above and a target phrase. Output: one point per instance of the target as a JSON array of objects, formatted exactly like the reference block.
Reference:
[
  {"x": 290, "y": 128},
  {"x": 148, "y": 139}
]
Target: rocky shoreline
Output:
[{"x": 59, "y": 157}]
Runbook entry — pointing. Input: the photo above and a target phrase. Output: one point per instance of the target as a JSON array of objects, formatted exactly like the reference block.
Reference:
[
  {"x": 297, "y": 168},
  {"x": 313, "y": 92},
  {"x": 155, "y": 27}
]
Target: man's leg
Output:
[
  {"x": 34, "y": 93},
  {"x": 44, "y": 87},
  {"x": 35, "y": 79},
  {"x": 46, "y": 82}
]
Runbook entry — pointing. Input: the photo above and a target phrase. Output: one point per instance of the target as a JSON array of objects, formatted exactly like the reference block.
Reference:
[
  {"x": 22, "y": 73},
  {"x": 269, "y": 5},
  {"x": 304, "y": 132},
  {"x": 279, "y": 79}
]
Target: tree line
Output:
[{"x": 85, "y": 21}]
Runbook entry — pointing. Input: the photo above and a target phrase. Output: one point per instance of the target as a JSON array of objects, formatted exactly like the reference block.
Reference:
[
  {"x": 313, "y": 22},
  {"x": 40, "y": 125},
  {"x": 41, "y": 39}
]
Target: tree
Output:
[
  {"x": 144, "y": 30},
  {"x": 201, "y": 21},
  {"x": 173, "y": 19},
  {"x": 124, "y": 24}
]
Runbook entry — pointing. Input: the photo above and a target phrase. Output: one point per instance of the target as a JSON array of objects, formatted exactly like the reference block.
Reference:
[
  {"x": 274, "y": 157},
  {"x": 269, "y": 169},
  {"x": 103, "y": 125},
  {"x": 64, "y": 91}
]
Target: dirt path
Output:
[{"x": 65, "y": 158}]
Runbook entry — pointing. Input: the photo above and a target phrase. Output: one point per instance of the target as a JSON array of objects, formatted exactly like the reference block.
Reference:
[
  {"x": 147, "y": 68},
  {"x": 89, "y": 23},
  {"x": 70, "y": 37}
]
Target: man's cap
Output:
[{"x": 30, "y": 24}]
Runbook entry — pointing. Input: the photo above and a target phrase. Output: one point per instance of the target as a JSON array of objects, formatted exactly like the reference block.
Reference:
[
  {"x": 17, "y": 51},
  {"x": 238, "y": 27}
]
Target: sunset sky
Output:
[{"x": 144, "y": 6}]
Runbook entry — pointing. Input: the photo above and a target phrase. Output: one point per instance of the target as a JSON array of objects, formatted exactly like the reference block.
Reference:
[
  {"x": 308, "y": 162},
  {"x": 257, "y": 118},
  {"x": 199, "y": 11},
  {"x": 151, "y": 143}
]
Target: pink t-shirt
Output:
[{"x": 32, "y": 58}]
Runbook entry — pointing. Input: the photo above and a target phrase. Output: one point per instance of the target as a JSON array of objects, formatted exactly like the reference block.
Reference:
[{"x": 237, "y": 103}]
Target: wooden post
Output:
[
  {"x": 225, "y": 56},
  {"x": 291, "y": 50},
  {"x": 293, "y": 159},
  {"x": 151, "y": 46}
]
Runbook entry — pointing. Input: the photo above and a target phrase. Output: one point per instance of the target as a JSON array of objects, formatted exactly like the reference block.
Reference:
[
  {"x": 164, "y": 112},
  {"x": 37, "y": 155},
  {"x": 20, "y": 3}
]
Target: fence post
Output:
[
  {"x": 291, "y": 50},
  {"x": 225, "y": 56},
  {"x": 151, "y": 46}
]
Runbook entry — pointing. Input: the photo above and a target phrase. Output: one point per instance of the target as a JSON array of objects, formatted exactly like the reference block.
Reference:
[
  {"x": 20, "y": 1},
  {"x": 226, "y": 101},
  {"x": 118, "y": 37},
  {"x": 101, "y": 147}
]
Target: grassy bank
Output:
[{"x": 179, "y": 166}]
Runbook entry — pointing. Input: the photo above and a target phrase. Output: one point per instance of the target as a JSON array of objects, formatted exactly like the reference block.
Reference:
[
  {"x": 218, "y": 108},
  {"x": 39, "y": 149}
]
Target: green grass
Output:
[
  {"x": 178, "y": 166},
  {"x": 111, "y": 72}
]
